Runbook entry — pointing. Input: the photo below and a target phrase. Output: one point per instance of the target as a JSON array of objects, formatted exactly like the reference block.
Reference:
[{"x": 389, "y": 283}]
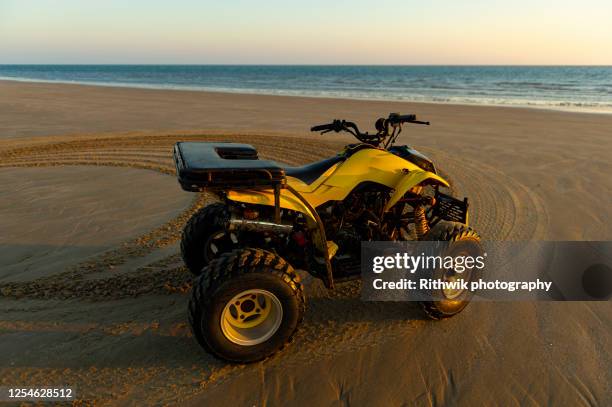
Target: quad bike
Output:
[{"x": 271, "y": 220}]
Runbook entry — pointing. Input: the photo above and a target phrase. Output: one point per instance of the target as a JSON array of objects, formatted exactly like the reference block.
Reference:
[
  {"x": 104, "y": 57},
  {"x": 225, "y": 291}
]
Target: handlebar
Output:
[{"x": 394, "y": 120}]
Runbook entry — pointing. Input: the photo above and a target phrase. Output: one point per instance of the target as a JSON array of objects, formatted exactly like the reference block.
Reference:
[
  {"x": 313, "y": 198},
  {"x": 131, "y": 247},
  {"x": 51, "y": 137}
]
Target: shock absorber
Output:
[{"x": 421, "y": 225}]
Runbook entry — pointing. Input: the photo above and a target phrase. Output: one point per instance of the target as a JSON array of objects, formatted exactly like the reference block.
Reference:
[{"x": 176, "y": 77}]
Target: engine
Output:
[{"x": 356, "y": 219}]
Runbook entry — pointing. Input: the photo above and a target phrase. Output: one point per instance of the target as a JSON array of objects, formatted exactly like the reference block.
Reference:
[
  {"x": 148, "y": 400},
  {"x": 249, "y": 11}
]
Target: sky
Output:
[{"x": 456, "y": 32}]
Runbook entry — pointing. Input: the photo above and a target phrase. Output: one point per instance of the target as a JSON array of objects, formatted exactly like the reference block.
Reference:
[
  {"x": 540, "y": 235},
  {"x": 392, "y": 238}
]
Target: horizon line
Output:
[{"x": 308, "y": 64}]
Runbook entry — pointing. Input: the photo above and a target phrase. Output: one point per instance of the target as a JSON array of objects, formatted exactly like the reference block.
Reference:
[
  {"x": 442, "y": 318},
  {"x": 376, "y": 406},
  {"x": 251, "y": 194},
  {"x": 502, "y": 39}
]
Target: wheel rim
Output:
[
  {"x": 452, "y": 293},
  {"x": 218, "y": 243},
  {"x": 251, "y": 317},
  {"x": 452, "y": 276}
]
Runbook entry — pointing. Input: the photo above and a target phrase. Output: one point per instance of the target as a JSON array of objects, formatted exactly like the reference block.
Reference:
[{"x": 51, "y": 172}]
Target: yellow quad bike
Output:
[{"x": 271, "y": 220}]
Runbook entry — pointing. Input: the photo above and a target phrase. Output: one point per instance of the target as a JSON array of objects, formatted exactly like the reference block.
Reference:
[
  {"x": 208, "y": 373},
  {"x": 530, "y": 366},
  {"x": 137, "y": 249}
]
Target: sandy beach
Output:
[{"x": 93, "y": 292}]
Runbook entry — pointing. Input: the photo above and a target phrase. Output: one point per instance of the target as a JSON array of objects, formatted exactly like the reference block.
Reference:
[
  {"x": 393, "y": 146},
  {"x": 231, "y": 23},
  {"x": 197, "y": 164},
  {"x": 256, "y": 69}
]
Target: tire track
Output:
[
  {"x": 335, "y": 322},
  {"x": 501, "y": 208},
  {"x": 507, "y": 211}
]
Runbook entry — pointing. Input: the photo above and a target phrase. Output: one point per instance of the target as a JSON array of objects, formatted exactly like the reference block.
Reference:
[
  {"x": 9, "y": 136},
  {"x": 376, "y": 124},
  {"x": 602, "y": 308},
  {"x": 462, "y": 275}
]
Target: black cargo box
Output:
[{"x": 220, "y": 165}]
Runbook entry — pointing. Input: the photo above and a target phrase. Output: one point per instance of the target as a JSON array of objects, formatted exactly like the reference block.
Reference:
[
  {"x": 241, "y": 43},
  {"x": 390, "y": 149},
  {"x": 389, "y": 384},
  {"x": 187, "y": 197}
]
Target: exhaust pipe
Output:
[{"x": 258, "y": 226}]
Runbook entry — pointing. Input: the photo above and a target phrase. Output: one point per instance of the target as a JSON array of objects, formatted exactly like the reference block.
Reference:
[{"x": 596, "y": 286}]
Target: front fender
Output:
[{"x": 410, "y": 180}]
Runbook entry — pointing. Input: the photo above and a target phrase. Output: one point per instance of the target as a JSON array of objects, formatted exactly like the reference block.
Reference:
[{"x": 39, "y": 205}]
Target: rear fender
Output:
[
  {"x": 287, "y": 201},
  {"x": 410, "y": 180},
  {"x": 266, "y": 197}
]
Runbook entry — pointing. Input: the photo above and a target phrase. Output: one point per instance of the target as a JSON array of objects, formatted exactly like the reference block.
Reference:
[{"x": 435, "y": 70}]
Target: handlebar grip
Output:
[
  {"x": 407, "y": 118},
  {"x": 322, "y": 127},
  {"x": 401, "y": 118}
]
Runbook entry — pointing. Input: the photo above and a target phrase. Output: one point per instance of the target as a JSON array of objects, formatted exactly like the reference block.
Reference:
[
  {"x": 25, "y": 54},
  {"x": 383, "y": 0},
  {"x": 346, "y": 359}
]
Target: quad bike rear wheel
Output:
[
  {"x": 246, "y": 305},
  {"x": 462, "y": 241},
  {"x": 205, "y": 237}
]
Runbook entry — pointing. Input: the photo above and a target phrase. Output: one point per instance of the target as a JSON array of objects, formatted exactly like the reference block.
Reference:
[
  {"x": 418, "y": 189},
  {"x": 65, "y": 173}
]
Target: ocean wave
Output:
[{"x": 541, "y": 85}]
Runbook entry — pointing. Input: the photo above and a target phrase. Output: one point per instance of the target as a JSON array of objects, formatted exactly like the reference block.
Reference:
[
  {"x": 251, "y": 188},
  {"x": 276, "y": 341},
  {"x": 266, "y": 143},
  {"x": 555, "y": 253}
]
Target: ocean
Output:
[{"x": 578, "y": 88}]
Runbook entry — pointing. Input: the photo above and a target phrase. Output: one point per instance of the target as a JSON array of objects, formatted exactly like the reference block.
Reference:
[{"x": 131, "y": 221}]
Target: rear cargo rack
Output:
[{"x": 201, "y": 165}]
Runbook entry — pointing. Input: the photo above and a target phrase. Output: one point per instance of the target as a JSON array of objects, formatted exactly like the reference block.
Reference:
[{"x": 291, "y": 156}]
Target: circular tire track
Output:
[
  {"x": 142, "y": 152},
  {"x": 502, "y": 209}
]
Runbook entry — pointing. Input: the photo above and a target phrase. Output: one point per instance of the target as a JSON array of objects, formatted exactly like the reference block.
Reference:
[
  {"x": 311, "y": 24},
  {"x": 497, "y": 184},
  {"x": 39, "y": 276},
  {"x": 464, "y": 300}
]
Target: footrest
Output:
[{"x": 202, "y": 165}]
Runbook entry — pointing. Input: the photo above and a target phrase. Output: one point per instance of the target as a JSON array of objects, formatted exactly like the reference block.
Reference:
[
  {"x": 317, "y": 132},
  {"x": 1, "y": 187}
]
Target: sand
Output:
[
  {"x": 90, "y": 205},
  {"x": 105, "y": 311}
]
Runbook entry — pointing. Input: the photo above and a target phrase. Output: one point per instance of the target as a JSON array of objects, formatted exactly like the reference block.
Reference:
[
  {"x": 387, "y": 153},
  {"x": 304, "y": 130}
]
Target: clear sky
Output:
[{"x": 307, "y": 32}]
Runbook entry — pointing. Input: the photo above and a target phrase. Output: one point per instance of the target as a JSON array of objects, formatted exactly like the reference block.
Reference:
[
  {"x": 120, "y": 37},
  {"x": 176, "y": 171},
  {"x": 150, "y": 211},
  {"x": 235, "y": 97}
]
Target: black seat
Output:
[{"x": 310, "y": 172}]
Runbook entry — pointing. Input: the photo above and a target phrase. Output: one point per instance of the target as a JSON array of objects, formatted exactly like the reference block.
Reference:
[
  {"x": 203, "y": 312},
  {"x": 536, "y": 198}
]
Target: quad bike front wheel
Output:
[
  {"x": 461, "y": 240},
  {"x": 246, "y": 305}
]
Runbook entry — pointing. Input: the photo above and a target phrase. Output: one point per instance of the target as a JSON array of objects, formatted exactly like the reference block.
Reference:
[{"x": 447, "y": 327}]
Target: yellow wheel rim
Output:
[
  {"x": 451, "y": 276},
  {"x": 251, "y": 317}
]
